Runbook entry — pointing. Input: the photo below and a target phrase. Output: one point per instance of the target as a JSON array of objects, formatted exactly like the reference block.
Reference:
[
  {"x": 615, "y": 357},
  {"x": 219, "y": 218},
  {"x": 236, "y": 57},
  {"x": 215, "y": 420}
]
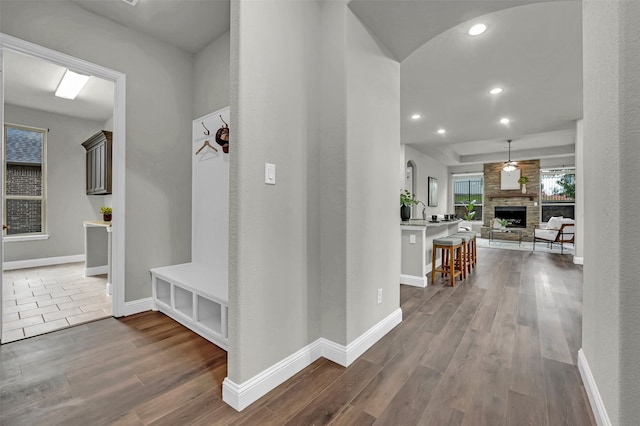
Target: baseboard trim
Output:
[
  {"x": 137, "y": 306},
  {"x": 413, "y": 280},
  {"x": 597, "y": 405},
  {"x": 96, "y": 270},
  {"x": 47, "y": 261},
  {"x": 371, "y": 336},
  {"x": 240, "y": 396},
  {"x": 578, "y": 260}
]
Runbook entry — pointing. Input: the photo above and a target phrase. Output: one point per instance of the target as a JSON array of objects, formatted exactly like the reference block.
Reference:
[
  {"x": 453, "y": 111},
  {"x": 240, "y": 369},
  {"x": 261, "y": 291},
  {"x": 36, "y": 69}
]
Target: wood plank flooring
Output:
[{"x": 497, "y": 349}]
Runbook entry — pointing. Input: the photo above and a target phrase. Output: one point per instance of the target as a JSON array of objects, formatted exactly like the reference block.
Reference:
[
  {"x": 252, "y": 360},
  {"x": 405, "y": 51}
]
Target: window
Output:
[
  {"x": 558, "y": 192},
  {"x": 467, "y": 188},
  {"x": 24, "y": 183}
]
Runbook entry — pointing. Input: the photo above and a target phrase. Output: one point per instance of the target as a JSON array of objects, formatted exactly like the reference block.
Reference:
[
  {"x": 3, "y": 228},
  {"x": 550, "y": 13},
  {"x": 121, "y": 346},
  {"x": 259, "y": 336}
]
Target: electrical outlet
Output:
[
  {"x": 412, "y": 239},
  {"x": 379, "y": 296}
]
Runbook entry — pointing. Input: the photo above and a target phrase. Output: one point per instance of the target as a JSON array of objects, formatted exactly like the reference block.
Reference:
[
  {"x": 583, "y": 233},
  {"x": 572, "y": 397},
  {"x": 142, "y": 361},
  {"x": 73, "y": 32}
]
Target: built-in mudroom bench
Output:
[
  {"x": 196, "y": 293},
  {"x": 187, "y": 294}
]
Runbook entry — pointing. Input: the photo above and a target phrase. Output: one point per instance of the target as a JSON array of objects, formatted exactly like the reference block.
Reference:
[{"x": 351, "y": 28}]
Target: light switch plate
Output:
[
  {"x": 412, "y": 239},
  {"x": 269, "y": 174}
]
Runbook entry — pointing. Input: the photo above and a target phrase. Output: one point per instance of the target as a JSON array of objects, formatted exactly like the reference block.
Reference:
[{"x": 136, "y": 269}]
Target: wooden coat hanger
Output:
[{"x": 206, "y": 144}]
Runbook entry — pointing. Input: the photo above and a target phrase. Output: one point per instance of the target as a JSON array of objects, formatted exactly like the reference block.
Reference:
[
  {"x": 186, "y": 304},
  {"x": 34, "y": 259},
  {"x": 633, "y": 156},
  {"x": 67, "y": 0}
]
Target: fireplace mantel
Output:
[{"x": 529, "y": 196}]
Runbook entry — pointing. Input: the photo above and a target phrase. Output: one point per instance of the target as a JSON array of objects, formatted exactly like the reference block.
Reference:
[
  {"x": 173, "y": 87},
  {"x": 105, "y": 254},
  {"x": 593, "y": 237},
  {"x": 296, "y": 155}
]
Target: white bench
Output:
[{"x": 188, "y": 294}]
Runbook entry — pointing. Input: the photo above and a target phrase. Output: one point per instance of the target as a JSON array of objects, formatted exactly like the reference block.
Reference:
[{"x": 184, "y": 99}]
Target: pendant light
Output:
[{"x": 509, "y": 165}]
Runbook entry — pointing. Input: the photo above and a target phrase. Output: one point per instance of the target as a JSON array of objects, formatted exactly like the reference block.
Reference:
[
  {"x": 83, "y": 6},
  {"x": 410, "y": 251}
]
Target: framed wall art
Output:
[{"x": 433, "y": 192}]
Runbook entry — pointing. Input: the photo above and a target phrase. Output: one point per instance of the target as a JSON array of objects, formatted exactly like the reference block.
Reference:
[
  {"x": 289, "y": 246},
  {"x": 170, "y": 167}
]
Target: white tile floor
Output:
[{"x": 40, "y": 300}]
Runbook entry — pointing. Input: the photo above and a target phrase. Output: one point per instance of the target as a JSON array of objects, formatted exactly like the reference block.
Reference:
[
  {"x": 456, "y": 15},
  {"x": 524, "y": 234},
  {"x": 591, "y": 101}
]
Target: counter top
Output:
[
  {"x": 413, "y": 223},
  {"x": 88, "y": 223}
]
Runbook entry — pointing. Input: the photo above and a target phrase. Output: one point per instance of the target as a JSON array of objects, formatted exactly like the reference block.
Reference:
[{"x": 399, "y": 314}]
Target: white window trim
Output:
[
  {"x": 25, "y": 237},
  {"x": 42, "y": 198},
  {"x": 468, "y": 175}
]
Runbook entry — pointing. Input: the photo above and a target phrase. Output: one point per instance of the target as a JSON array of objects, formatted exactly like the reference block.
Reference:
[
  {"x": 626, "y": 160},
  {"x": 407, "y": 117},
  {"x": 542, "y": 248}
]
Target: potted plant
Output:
[
  {"x": 106, "y": 213},
  {"x": 470, "y": 208},
  {"x": 523, "y": 181},
  {"x": 407, "y": 199}
]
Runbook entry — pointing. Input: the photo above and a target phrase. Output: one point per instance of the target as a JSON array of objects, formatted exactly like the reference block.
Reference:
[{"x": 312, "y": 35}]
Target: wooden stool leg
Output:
[
  {"x": 475, "y": 252},
  {"x": 452, "y": 265},
  {"x": 433, "y": 264}
]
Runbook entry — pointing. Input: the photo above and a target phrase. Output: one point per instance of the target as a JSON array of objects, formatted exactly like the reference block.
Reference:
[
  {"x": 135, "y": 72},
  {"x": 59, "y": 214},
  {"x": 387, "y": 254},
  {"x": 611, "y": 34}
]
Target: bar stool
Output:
[
  {"x": 473, "y": 246},
  {"x": 468, "y": 240},
  {"x": 451, "y": 257}
]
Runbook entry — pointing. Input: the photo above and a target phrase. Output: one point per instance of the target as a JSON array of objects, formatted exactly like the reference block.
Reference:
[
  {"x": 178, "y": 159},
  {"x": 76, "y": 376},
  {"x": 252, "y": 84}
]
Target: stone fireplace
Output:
[
  {"x": 512, "y": 199},
  {"x": 516, "y": 215}
]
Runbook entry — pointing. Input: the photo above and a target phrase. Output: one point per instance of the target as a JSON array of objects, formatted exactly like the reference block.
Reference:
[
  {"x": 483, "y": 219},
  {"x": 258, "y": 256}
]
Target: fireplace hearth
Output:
[{"x": 515, "y": 215}]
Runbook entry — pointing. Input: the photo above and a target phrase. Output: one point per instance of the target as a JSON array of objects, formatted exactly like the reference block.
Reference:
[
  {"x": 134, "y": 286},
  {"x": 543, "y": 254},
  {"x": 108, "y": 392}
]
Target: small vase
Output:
[
  {"x": 405, "y": 213},
  {"x": 524, "y": 188},
  {"x": 106, "y": 217}
]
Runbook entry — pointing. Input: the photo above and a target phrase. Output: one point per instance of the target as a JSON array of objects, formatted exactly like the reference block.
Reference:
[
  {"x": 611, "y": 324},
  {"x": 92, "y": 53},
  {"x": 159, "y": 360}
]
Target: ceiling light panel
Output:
[
  {"x": 504, "y": 120},
  {"x": 415, "y": 116},
  {"x": 131, "y": 2},
  {"x": 496, "y": 90},
  {"x": 477, "y": 29},
  {"x": 441, "y": 131},
  {"x": 71, "y": 84}
]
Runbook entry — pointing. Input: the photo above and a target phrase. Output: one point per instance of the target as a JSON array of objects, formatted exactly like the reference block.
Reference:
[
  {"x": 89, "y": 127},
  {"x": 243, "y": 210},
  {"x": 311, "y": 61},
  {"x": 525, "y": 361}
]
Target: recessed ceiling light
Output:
[
  {"x": 442, "y": 131},
  {"x": 415, "y": 116},
  {"x": 71, "y": 84},
  {"x": 496, "y": 90},
  {"x": 131, "y": 2},
  {"x": 504, "y": 120},
  {"x": 477, "y": 29}
]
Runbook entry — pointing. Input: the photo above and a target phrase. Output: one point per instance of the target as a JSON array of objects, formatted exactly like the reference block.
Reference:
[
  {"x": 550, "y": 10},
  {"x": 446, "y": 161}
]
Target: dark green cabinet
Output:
[{"x": 99, "y": 163}]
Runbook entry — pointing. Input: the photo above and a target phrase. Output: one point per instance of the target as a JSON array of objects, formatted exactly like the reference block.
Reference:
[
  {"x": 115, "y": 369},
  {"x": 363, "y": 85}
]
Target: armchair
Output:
[{"x": 558, "y": 230}]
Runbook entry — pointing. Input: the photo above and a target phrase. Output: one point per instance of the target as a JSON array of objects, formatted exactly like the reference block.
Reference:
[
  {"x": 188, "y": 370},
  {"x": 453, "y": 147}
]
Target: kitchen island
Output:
[{"x": 417, "y": 246}]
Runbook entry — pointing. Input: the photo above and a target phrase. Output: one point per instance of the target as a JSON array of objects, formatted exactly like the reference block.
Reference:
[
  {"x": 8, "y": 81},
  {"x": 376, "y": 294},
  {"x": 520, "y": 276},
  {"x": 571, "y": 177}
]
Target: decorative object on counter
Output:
[
  {"x": 222, "y": 136},
  {"x": 424, "y": 210},
  {"x": 433, "y": 192},
  {"x": 470, "y": 209},
  {"x": 523, "y": 181},
  {"x": 407, "y": 200},
  {"x": 106, "y": 213},
  {"x": 434, "y": 218}
]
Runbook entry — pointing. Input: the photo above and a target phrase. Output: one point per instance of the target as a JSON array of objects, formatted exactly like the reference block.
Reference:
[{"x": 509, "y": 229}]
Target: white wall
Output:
[
  {"x": 333, "y": 170},
  {"x": 373, "y": 152},
  {"x": 67, "y": 204},
  {"x": 611, "y": 318},
  {"x": 309, "y": 253},
  {"x": 159, "y": 113},
  {"x": 580, "y": 193},
  {"x": 211, "y": 83},
  {"x": 274, "y": 70},
  {"x": 425, "y": 167}
]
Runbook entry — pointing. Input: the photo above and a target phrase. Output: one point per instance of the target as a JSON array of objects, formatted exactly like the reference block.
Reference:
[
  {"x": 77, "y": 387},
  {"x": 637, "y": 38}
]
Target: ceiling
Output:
[
  {"x": 188, "y": 24},
  {"x": 31, "y": 82},
  {"x": 533, "y": 52},
  {"x": 532, "y": 48}
]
